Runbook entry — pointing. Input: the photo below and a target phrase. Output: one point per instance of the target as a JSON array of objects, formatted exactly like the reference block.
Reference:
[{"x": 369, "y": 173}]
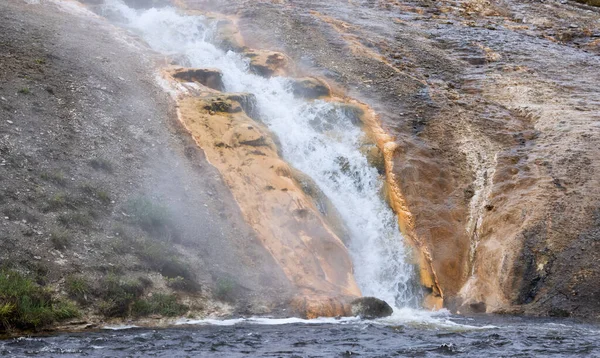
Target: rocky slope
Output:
[
  {"x": 105, "y": 199},
  {"x": 493, "y": 108}
]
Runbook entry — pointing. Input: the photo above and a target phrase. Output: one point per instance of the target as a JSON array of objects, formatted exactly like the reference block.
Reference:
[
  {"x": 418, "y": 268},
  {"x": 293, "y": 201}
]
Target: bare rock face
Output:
[
  {"x": 209, "y": 77},
  {"x": 310, "y": 88},
  {"x": 370, "y": 307}
]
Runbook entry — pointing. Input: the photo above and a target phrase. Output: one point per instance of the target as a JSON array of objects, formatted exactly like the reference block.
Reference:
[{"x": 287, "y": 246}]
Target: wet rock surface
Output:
[
  {"x": 492, "y": 109},
  {"x": 370, "y": 308}
]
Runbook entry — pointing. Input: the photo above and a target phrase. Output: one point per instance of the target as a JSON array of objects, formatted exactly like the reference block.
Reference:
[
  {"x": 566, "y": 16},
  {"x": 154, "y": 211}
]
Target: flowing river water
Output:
[{"x": 321, "y": 140}]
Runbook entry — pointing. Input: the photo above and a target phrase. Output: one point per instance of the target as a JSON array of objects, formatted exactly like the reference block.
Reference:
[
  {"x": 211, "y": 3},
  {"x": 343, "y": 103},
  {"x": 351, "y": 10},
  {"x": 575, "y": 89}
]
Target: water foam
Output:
[{"x": 319, "y": 138}]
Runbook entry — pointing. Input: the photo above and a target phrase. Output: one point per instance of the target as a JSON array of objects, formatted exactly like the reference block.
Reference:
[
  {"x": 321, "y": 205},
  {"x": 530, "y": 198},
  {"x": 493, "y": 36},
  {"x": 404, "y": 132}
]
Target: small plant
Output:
[
  {"x": 55, "y": 177},
  {"x": 162, "y": 259},
  {"x": 61, "y": 239},
  {"x": 161, "y": 304},
  {"x": 78, "y": 288},
  {"x": 102, "y": 164},
  {"x": 75, "y": 219},
  {"x": 60, "y": 201},
  {"x": 148, "y": 214},
  {"x": 224, "y": 289},
  {"x": 96, "y": 193},
  {"x": 25, "y": 90},
  {"x": 40, "y": 61},
  {"x": 153, "y": 218},
  {"x": 118, "y": 295},
  {"x": 25, "y": 305}
]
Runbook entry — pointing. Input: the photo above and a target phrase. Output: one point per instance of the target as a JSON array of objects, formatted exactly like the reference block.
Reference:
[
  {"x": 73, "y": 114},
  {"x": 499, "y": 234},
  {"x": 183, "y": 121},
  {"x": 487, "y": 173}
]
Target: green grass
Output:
[
  {"x": 118, "y": 295},
  {"x": 224, "y": 289},
  {"x": 40, "y": 61},
  {"x": 25, "y": 305},
  {"x": 60, "y": 201},
  {"x": 83, "y": 220},
  {"x": 161, "y": 258},
  {"x": 25, "y": 90},
  {"x": 161, "y": 304},
  {"x": 96, "y": 193},
  {"x": 78, "y": 288},
  {"x": 56, "y": 177},
  {"x": 151, "y": 216},
  {"x": 61, "y": 239}
]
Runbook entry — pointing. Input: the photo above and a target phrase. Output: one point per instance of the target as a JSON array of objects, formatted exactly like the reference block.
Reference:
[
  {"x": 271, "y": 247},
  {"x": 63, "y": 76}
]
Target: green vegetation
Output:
[
  {"x": 57, "y": 178},
  {"x": 61, "y": 239},
  {"x": 25, "y": 90},
  {"x": 165, "y": 305},
  {"x": 102, "y": 164},
  {"x": 96, "y": 193},
  {"x": 76, "y": 219},
  {"x": 224, "y": 289},
  {"x": 78, "y": 288},
  {"x": 25, "y": 305},
  {"x": 40, "y": 61},
  {"x": 149, "y": 215},
  {"x": 118, "y": 295},
  {"x": 60, "y": 201}
]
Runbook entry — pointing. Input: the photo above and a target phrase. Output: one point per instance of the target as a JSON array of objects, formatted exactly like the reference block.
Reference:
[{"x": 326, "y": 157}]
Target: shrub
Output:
[
  {"x": 118, "y": 295},
  {"x": 57, "y": 178},
  {"x": 165, "y": 305},
  {"x": 224, "y": 289},
  {"x": 75, "y": 219},
  {"x": 25, "y": 90},
  {"x": 96, "y": 193},
  {"x": 153, "y": 218},
  {"x": 78, "y": 288},
  {"x": 25, "y": 305},
  {"x": 61, "y": 239}
]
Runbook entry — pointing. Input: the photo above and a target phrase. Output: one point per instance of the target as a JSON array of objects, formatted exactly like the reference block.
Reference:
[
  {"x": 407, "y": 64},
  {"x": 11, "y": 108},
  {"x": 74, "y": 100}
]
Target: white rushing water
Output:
[{"x": 316, "y": 137}]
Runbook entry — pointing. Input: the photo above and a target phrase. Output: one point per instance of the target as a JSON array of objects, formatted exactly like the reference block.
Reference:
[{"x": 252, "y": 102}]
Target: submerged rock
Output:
[
  {"x": 371, "y": 307},
  {"x": 310, "y": 88},
  {"x": 268, "y": 63}
]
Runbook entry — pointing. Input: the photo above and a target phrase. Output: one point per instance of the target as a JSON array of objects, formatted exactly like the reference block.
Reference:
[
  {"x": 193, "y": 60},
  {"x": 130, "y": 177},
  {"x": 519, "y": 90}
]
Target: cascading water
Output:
[{"x": 316, "y": 137}]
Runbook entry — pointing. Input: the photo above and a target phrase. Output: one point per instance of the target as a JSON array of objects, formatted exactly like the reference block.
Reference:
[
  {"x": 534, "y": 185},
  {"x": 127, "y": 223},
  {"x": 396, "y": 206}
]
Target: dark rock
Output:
[
  {"x": 211, "y": 78},
  {"x": 370, "y": 307}
]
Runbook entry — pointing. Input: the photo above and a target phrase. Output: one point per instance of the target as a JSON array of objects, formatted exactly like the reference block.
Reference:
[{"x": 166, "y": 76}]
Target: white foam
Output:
[{"x": 120, "y": 327}]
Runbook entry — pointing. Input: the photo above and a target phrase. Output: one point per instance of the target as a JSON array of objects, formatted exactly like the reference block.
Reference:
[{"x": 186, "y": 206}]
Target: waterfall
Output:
[{"x": 317, "y": 137}]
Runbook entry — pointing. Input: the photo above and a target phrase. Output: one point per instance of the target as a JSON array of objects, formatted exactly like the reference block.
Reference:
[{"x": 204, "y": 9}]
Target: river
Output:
[{"x": 438, "y": 336}]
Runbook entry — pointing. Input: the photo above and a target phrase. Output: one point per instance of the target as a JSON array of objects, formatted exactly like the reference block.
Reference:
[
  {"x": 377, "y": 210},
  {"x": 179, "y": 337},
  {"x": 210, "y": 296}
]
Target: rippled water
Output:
[{"x": 466, "y": 337}]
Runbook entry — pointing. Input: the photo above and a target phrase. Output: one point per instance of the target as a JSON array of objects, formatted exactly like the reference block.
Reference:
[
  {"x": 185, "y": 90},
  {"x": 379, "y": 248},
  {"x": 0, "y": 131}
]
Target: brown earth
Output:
[{"x": 493, "y": 108}]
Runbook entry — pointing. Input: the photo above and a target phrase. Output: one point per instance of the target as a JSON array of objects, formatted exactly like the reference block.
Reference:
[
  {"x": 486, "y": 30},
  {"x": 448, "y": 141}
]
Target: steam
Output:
[{"x": 318, "y": 138}]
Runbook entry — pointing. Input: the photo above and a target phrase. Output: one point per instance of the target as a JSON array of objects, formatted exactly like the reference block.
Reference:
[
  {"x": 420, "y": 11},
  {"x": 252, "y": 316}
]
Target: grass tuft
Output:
[
  {"x": 57, "y": 178},
  {"x": 78, "y": 288},
  {"x": 162, "y": 304},
  {"x": 61, "y": 239},
  {"x": 25, "y": 305}
]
